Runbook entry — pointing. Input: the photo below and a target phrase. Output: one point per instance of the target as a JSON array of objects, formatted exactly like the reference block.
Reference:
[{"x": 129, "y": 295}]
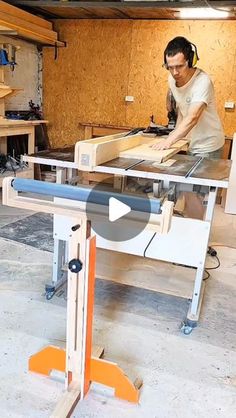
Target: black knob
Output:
[{"x": 75, "y": 265}]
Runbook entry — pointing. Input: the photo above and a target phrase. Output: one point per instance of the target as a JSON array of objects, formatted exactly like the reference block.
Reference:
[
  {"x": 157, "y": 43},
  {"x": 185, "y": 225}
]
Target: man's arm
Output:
[
  {"x": 179, "y": 119},
  {"x": 184, "y": 127}
]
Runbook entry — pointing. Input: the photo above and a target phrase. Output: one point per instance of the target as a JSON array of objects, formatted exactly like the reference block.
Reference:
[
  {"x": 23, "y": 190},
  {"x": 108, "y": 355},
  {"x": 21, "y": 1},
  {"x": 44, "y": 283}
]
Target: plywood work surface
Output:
[{"x": 145, "y": 152}]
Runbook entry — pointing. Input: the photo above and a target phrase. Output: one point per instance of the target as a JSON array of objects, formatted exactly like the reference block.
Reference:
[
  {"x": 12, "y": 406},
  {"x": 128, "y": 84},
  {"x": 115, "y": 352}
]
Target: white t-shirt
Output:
[{"x": 207, "y": 135}]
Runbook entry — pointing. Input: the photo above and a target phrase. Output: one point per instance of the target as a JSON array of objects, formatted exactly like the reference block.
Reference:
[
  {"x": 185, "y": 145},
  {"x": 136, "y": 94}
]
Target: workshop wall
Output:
[
  {"x": 105, "y": 60},
  {"x": 27, "y": 75}
]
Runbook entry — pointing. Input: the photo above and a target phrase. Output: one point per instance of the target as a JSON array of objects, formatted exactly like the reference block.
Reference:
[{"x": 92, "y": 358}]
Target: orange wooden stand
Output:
[{"x": 96, "y": 369}]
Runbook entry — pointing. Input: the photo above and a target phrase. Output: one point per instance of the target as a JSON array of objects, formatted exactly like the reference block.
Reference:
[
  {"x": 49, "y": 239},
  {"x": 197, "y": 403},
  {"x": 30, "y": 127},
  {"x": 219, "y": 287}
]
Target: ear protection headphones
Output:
[
  {"x": 193, "y": 55},
  {"x": 183, "y": 45}
]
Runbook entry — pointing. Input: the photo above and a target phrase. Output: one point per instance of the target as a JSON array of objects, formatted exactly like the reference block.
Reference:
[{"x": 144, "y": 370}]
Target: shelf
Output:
[
  {"x": 8, "y": 91},
  {"x": 28, "y": 26}
]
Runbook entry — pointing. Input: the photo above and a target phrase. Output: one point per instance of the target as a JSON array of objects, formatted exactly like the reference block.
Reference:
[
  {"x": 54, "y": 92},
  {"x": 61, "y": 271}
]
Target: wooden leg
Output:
[
  {"x": 31, "y": 147},
  {"x": 230, "y": 204},
  {"x": 3, "y": 145},
  {"x": 76, "y": 306},
  {"x": 88, "y": 132},
  {"x": 90, "y": 305}
]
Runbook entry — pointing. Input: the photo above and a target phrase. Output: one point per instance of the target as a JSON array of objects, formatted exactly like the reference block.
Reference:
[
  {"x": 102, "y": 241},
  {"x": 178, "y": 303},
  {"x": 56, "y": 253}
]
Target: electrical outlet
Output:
[
  {"x": 229, "y": 105},
  {"x": 129, "y": 98}
]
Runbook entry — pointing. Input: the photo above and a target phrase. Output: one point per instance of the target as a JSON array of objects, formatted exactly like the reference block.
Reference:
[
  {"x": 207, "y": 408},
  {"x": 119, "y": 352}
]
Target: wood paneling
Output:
[
  {"x": 105, "y": 60},
  {"x": 89, "y": 80}
]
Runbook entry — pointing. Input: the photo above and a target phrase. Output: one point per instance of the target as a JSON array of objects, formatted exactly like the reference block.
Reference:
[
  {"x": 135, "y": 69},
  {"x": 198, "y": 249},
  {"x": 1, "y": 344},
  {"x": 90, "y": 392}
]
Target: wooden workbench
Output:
[{"x": 10, "y": 127}]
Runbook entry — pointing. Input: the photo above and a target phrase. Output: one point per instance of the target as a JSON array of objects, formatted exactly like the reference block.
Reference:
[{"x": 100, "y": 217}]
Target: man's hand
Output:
[
  {"x": 183, "y": 128},
  {"x": 164, "y": 144}
]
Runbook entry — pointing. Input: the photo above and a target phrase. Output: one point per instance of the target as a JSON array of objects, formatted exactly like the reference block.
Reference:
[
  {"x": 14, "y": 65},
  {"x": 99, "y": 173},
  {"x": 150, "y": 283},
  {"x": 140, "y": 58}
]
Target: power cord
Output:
[
  {"x": 216, "y": 267},
  {"x": 144, "y": 253},
  {"x": 207, "y": 275},
  {"x": 134, "y": 131},
  {"x": 213, "y": 253}
]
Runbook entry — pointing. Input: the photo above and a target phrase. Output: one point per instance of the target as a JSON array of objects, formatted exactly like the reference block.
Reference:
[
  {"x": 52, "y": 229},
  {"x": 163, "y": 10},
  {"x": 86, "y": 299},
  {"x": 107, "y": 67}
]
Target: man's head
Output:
[
  {"x": 182, "y": 45},
  {"x": 180, "y": 56}
]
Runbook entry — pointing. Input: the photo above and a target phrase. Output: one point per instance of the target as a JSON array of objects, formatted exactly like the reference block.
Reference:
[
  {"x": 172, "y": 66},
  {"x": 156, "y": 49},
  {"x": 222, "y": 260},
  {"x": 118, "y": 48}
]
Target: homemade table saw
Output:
[
  {"x": 187, "y": 241},
  {"x": 162, "y": 236}
]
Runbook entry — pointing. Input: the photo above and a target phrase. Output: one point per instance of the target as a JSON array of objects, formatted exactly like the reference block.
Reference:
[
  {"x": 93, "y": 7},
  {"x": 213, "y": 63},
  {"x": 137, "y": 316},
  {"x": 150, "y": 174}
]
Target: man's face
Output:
[{"x": 178, "y": 67}]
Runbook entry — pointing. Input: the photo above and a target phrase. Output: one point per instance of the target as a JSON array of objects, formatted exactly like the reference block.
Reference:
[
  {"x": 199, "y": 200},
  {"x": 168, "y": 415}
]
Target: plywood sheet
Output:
[
  {"x": 146, "y": 152},
  {"x": 85, "y": 84}
]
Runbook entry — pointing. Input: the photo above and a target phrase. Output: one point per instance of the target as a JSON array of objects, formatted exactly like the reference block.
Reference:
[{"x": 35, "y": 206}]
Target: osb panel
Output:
[
  {"x": 107, "y": 60},
  {"x": 89, "y": 80}
]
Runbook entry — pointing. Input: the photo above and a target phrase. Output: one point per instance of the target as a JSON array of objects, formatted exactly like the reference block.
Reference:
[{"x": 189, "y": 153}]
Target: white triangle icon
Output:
[{"x": 117, "y": 209}]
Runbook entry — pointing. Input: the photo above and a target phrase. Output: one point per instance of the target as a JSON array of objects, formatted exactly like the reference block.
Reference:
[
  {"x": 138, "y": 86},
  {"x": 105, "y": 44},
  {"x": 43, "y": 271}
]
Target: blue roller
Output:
[{"x": 85, "y": 194}]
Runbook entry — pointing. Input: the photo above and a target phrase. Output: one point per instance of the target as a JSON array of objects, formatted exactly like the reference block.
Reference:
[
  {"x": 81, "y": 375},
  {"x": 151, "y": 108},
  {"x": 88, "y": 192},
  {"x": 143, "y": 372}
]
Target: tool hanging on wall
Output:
[
  {"x": 3, "y": 57},
  {"x": 8, "y": 55}
]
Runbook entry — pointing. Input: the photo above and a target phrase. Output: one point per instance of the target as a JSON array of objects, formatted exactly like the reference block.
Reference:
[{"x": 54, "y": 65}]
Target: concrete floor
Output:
[{"x": 184, "y": 376}]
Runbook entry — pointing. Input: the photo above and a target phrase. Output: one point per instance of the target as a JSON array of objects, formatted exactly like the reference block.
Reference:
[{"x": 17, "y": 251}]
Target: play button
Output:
[
  {"x": 117, "y": 209},
  {"x": 117, "y": 216}
]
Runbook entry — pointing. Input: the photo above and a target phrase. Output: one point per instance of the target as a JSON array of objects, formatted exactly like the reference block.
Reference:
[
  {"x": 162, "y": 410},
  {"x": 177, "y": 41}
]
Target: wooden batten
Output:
[
  {"x": 15, "y": 12},
  {"x": 27, "y": 25}
]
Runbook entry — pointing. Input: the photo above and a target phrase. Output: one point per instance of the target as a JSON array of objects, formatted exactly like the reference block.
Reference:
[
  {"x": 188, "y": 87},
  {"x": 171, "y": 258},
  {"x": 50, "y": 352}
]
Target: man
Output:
[{"x": 193, "y": 92}]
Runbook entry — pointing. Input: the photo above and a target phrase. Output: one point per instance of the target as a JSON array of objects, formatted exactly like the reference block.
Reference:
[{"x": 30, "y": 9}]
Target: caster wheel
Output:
[
  {"x": 186, "y": 329},
  {"x": 49, "y": 295},
  {"x": 49, "y": 291}
]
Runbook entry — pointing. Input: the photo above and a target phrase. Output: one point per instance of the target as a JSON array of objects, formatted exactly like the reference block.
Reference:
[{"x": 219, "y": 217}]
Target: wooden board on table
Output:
[
  {"x": 145, "y": 151},
  {"x": 92, "y": 152}
]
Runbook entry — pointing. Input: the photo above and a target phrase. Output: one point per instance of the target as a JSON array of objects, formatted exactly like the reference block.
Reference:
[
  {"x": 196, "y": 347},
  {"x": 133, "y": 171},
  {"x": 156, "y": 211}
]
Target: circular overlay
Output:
[{"x": 124, "y": 215}]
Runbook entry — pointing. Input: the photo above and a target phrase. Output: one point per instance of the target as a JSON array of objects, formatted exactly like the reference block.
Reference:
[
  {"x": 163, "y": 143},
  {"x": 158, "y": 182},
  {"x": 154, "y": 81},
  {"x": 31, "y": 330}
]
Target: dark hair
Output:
[{"x": 180, "y": 44}]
